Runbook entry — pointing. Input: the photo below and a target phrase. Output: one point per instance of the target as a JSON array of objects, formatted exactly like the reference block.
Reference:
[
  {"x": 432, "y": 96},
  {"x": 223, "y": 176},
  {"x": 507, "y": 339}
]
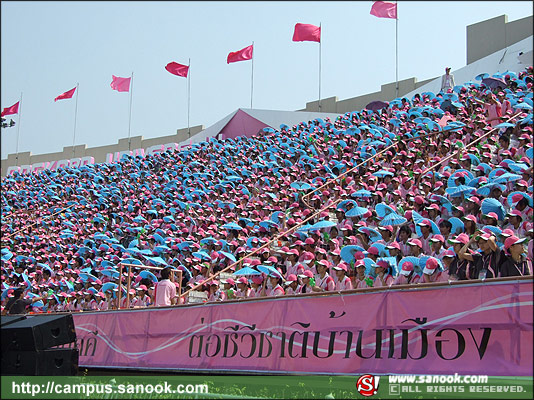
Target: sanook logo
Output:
[
  {"x": 367, "y": 385},
  {"x": 250, "y": 342}
]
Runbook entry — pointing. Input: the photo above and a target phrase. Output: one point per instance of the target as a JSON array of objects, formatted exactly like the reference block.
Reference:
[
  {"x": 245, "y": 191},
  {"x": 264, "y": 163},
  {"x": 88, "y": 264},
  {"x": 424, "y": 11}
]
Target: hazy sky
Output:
[{"x": 47, "y": 47}]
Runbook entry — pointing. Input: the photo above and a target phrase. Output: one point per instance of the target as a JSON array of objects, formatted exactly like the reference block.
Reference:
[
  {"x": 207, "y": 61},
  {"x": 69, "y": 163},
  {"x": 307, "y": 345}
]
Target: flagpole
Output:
[
  {"x": 252, "y": 77},
  {"x": 397, "y": 51},
  {"x": 130, "y": 117},
  {"x": 320, "y": 40},
  {"x": 188, "y": 97},
  {"x": 75, "y": 116},
  {"x": 18, "y": 128}
]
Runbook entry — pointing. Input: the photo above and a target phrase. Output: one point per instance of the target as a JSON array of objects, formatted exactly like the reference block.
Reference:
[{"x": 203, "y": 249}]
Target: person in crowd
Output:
[
  {"x": 515, "y": 263},
  {"x": 165, "y": 289},
  {"x": 447, "y": 81}
]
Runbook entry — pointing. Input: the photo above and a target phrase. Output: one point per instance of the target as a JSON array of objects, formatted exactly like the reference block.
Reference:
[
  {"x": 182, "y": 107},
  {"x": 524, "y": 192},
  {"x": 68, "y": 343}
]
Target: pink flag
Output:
[
  {"x": 384, "y": 9},
  {"x": 177, "y": 69},
  {"x": 66, "y": 95},
  {"x": 241, "y": 55},
  {"x": 307, "y": 33},
  {"x": 14, "y": 109},
  {"x": 120, "y": 84}
]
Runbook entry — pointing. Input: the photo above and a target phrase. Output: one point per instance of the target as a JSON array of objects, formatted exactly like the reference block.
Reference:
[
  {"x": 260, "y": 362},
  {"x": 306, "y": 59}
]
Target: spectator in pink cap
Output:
[
  {"x": 292, "y": 285},
  {"x": 323, "y": 281},
  {"x": 308, "y": 281},
  {"x": 361, "y": 280},
  {"x": 436, "y": 244},
  {"x": 141, "y": 299},
  {"x": 343, "y": 281},
  {"x": 459, "y": 267},
  {"x": 242, "y": 288},
  {"x": 256, "y": 287},
  {"x": 407, "y": 275},
  {"x": 515, "y": 220},
  {"x": 431, "y": 272},
  {"x": 384, "y": 278},
  {"x": 416, "y": 247},
  {"x": 214, "y": 292},
  {"x": 515, "y": 263}
]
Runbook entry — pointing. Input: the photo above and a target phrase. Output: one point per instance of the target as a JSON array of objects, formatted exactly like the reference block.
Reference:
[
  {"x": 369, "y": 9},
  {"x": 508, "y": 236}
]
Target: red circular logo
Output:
[{"x": 367, "y": 385}]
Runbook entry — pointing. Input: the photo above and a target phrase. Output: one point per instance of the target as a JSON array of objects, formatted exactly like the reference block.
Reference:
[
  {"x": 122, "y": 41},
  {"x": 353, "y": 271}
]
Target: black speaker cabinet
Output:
[
  {"x": 52, "y": 362},
  {"x": 38, "y": 333},
  {"x": 9, "y": 319}
]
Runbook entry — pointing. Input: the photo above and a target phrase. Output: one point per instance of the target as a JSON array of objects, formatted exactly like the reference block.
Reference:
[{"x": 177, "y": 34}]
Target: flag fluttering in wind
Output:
[
  {"x": 14, "y": 109},
  {"x": 307, "y": 33},
  {"x": 384, "y": 9},
  {"x": 177, "y": 69},
  {"x": 120, "y": 84},
  {"x": 241, "y": 55},
  {"x": 66, "y": 95}
]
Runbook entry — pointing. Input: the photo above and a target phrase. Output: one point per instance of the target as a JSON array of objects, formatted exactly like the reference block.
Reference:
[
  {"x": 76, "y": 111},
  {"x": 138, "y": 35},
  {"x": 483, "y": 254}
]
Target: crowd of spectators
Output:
[{"x": 393, "y": 220}]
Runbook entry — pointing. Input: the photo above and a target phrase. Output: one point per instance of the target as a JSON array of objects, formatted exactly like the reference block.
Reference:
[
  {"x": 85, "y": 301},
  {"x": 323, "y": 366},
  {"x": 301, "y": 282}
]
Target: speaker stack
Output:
[{"x": 27, "y": 345}]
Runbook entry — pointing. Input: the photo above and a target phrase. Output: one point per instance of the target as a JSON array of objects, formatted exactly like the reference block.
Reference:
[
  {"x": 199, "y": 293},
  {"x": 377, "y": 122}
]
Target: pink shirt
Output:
[
  {"x": 165, "y": 291},
  {"x": 402, "y": 280},
  {"x": 276, "y": 291},
  {"x": 326, "y": 283},
  {"x": 362, "y": 284},
  {"x": 345, "y": 284},
  {"x": 254, "y": 292},
  {"x": 388, "y": 281}
]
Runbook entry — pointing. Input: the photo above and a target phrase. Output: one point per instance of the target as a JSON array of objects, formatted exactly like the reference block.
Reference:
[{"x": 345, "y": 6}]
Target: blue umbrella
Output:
[
  {"x": 268, "y": 270},
  {"x": 268, "y": 224},
  {"x": 486, "y": 189},
  {"x": 445, "y": 202},
  {"x": 362, "y": 193},
  {"x": 322, "y": 225},
  {"x": 343, "y": 205},
  {"x": 347, "y": 252},
  {"x": 374, "y": 235},
  {"x": 202, "y": 255},
  {"x": 393, "y": 219},
  {"x": 87, "y": 277},
  {"x": 112, "y": 273},
  {"x": 459, "y": 190},
  {"x": 156, "y": 260},
  {"x": 493, "y": 205},
  {"x": 507, "y": 177},
  {"x": 162, "y": 249},
  {"x": 247, "y": 271},
  {"x": 147, "y": 274},
  {"x": 356, "y": 211},
  {"x": 383, "y": 209},
  {"x": 382, "y": 173},
  {"x": 370, "y": 266},
  {"x": 37, "y": 303},
  {"x": 382, "y": 251},
  {"x": 493, "y": 229},
  {"x": 4, "y": 292},
  {"x": 416, "y": 217},
  {"x": 232, "y": 225},
  {"x": 230, "y": 256},
  {"x": 208, "y": 241},
  {"x": 457, "y": 225},
  {"x": 109, "y": 286},
  {"x": 504, "y": 125}
]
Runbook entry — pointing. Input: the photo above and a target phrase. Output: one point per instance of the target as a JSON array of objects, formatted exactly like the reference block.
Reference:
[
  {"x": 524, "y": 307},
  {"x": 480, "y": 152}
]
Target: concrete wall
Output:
[
  {"x": 98, "y": 153},
  {"x": 487, "y": 37},
  {"x": 387, "y": 92}
]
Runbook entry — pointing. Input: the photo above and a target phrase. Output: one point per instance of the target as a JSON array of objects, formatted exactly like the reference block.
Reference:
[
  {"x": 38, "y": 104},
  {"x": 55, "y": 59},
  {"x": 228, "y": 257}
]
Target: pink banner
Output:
[{"x": 468, "y": 329}]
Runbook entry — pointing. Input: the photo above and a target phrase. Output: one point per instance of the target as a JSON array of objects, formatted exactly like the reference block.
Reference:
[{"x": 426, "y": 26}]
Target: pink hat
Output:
[
  {"x": 291, "y": 278},
  {"x": 509, "y": 242},
  {"x": 142, "y": 287},
  {"x": 437, "y": 238},
  {"x": 430, "y": 266},
  {"x": 407, "y": 268},
  {"x": 461, "y": 238},
  {"x": 415, "y": 242},
  {"x": 243, "y": 280},
  {"x": 309, "y": 240},
  {"x": 307, "y": 274},
  {"x": 492, "y": 215},
  {"x": 373, "y": 250},
  {"x": 341, "y": 267},
  {"x": 448, "y": 253},
  {"x": 393, "y": 245},
  {"x": 257, "y": 280}
]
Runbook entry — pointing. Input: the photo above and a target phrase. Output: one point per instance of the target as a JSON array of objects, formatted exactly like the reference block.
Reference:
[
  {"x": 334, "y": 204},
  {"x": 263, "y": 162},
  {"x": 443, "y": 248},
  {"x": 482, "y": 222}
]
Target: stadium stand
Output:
[{"x": 421, "y": 189}]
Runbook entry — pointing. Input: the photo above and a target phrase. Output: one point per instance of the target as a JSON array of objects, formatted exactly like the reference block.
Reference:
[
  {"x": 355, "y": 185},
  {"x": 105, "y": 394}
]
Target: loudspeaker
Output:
[
  {"x": 51, "y": 362},
  {"x": 38, "y": 333},
  {"x": 9, "y": 319}
]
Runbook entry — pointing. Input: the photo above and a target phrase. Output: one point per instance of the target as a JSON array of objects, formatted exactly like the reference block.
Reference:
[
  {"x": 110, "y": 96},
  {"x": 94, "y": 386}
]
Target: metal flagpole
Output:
[
  {"x": 75, "y": 116},
  {"x": 320, "y": 40},
  {"x": 188, "y": 97},
  {"x": 18, "y": 128},
  {"x": 397, "y": 51},
  {"x": 130, "y": 117},
  {"x": 252, "y": 77}
]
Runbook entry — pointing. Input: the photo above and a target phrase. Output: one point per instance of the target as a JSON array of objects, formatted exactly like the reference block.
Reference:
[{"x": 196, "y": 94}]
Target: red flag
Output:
[
  {"x": 120, "y": 84},
  {"x": 241, "y": 55},
  {"x": 14, "y": 109},
  {"x": 384, "y": 9},
  {"x": 177, "y": 69},
  {"x": 307, "y": 33},
  {"x": 66, "y": 95}
]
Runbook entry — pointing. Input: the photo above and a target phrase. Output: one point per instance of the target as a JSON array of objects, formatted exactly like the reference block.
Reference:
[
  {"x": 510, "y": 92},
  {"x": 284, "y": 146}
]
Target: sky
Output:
[{"x": 49, "y": 47}]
